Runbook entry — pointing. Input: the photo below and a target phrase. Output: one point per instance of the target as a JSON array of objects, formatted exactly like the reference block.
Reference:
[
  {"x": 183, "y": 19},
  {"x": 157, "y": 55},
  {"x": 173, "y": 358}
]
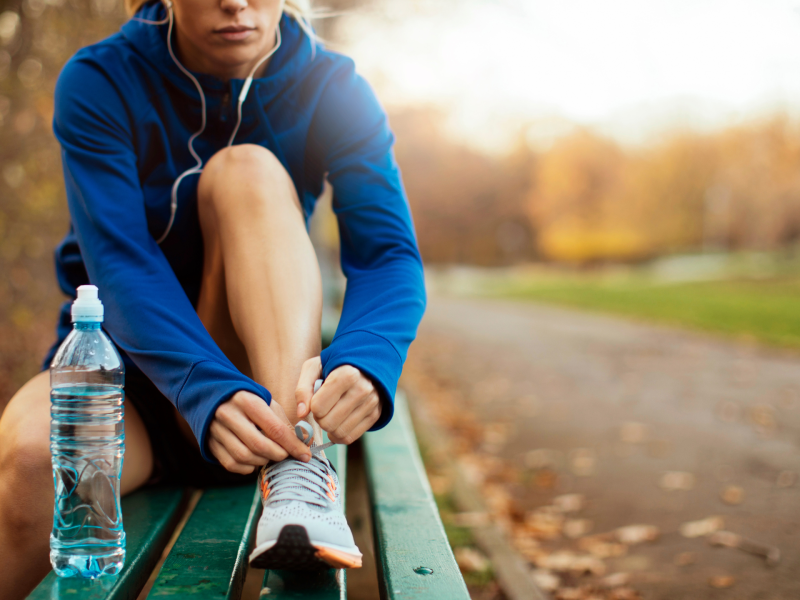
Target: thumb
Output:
[{"x": 310, "y": 372}]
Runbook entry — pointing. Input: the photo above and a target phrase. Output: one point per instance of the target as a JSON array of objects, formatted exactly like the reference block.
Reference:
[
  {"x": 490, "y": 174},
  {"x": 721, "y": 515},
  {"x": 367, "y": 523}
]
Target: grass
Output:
[{"x": 766, "y": 311}]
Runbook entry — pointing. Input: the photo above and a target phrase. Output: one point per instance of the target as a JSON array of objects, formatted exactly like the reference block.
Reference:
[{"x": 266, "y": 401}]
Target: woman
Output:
[{"x": 195, "y": 142}]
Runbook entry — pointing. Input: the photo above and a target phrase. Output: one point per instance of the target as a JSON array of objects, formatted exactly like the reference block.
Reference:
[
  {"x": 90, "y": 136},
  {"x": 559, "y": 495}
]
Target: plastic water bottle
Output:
[{"x": 87, "y": 442}]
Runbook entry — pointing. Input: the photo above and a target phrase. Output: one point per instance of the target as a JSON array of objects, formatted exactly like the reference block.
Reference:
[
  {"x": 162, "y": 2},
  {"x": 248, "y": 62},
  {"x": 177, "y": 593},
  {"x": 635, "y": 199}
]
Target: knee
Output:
[
  {"x": 236, "y": 174},
  {"x": 244, "y": 159}
]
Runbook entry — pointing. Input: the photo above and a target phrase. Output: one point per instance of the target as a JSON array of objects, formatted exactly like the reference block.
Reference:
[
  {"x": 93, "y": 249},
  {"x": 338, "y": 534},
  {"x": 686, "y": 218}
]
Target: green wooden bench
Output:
[{"x": 209, "y": 557}]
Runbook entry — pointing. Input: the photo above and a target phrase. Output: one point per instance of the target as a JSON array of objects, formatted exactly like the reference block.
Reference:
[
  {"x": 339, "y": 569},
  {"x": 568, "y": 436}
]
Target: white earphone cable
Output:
[
  {"x": 249, "y": 81},
  {"x": 198, "y": 168}
]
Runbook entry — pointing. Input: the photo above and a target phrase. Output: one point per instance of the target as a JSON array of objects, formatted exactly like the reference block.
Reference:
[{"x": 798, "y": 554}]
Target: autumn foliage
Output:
[{"x": 588, "y": 199}]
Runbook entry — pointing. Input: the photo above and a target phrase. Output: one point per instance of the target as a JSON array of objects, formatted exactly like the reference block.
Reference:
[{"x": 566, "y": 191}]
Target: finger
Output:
[
  {"x": 248, "y": 434},
  {"x": 368, "y": 422},
  {"x": 333, "y": 388},
  {"x": 345, "y": 433},
  {"x": 225, "y": 459},
  {"x": 236, "y": 420},
  {"x": 354, "y": 398},
  {"x": 237, "y": 450},
  {"x": 311, "y": 371},
  {"x": 277, "y": 429}
]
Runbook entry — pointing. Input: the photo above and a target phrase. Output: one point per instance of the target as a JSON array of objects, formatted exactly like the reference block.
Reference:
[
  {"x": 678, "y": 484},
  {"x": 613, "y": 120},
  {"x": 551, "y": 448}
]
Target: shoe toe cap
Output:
[{"x": 327, "y": 527}]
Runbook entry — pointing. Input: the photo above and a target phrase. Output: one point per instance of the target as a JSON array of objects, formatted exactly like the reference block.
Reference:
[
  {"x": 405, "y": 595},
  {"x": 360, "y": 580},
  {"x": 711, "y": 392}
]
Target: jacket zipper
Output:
[{"x": 226, "y": 103}]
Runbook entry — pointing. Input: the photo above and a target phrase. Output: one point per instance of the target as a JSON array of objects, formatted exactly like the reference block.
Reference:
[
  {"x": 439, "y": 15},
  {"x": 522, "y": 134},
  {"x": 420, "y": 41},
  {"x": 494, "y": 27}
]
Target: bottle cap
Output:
[{"x": 87, "y": 306}]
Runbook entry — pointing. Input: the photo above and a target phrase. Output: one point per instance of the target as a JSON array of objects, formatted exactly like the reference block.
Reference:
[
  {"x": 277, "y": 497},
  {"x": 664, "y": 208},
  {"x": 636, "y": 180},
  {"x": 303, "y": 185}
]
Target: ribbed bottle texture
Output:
[{"x": 87, "y": 443}]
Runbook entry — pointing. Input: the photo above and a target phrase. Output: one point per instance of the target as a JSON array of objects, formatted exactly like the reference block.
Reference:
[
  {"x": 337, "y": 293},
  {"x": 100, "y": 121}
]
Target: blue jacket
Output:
[{"x": 123, "y": 115}]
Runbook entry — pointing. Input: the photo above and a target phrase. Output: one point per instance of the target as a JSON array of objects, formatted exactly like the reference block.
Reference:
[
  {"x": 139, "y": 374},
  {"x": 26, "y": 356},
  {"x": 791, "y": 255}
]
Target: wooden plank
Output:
[
  {"x": 209, "y": 558},
  {"x": 414, "y": 557},
  {"x": 321, "y": 585},
  {"x": 149, "y": 517}
]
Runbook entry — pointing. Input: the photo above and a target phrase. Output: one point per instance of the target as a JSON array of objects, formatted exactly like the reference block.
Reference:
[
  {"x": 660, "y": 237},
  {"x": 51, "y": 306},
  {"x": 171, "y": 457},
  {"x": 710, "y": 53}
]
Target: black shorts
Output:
[{"x": 176, "y": 459}]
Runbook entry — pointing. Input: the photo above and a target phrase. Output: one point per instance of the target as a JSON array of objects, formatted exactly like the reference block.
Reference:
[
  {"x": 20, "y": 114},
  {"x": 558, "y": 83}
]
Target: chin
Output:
[{"x": 234, "y": 58}]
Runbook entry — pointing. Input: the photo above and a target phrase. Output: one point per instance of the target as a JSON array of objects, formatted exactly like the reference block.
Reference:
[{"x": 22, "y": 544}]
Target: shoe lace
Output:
[{"x": 291, "y": 479}]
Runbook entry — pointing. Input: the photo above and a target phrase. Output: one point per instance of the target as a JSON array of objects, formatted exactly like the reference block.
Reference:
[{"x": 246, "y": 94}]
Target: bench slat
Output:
[
  {"x": 209, "y": 558},
  {"x": 320, "y": 585},
  {"x": 408, "y": 530},
  {"x": 149, "y": 517}
]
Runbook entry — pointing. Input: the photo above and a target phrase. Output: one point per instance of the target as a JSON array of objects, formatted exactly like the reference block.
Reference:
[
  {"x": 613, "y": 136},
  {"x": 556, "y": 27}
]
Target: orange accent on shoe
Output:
[
  {"x": 338, "y": 559},
  {"x": 265, "y": 490}
]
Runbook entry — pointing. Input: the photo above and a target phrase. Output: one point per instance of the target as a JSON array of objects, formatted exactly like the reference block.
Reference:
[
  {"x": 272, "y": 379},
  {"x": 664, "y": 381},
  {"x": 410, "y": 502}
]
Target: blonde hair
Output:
[{"x": 299, "y": 10}]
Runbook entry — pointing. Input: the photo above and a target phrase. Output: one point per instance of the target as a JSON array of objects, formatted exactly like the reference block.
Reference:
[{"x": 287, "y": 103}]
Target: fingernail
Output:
[
  {"x": 301, "y": 409},
  {"x": 306, "y": 457}
]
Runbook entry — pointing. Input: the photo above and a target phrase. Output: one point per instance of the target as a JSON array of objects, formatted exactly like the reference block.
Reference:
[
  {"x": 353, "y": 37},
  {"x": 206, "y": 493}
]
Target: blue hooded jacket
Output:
[{"x": 123, "y": 115}]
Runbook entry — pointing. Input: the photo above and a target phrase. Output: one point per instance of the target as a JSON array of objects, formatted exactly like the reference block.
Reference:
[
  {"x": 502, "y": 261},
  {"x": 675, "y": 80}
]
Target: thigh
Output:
[{"x": 25, "y": 431}]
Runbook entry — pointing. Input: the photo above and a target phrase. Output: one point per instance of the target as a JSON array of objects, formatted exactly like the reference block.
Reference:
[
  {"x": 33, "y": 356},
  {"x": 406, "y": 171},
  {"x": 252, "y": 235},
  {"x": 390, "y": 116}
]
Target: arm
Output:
[
  {"x": 385, "y": 296},
  {"x": 148, "y": 314}
]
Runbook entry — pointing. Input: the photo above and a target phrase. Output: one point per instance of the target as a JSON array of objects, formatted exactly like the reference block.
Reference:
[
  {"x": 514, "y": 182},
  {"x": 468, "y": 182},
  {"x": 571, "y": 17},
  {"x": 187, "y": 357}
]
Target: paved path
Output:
[{"x": 546, "y": 378}]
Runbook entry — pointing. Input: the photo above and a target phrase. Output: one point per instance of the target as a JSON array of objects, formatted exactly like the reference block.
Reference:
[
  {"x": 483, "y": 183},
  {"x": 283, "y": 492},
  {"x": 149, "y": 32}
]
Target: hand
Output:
[
  {"x": 247, "y": 432},
  {"x": 346, "y": 405}
]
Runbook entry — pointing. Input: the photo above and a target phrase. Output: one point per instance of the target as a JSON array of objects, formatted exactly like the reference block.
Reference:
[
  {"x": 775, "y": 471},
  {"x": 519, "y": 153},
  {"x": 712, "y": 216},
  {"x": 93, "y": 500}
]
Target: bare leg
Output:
[
  {"x": 26, "y": 483},
  {"x": 261, "y": 296}
]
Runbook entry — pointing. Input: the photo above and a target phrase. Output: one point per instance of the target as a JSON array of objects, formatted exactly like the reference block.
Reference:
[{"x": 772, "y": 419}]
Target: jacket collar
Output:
[{"x": 150, "y": 41}]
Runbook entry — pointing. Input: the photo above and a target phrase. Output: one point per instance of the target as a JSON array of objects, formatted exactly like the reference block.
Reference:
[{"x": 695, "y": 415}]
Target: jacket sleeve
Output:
[
  {"x": 385, "y": 294},
  {"x": 148, "y": 314}
]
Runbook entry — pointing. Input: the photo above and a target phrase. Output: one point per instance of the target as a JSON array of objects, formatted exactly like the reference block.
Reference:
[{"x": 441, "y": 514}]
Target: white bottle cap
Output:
[{"x": 87, "y": 306}]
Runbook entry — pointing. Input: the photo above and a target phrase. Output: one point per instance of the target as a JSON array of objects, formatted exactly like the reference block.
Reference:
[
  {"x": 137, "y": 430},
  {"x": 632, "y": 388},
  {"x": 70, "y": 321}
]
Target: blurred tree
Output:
[
  {"x": 36, "y": 38},
  {"x": 468, "y": 207},
  {"x": 576, "y": 203}
]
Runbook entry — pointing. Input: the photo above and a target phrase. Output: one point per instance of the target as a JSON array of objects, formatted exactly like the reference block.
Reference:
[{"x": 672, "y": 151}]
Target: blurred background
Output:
[{"x": 638, "y": 159}]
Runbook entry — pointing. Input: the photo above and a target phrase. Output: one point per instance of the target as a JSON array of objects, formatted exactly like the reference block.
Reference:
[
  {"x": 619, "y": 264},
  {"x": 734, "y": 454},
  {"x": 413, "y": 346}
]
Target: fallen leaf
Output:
[
  {"x": 528, "y": 547},
  {"x": 685, "y": 558},
  {"x": 732, "y": 495},
  {"x": 583, "y": 462},
  {"x": 470, "y": 560},
  {"x": 546, "y": 478},
  {"x": 601, "y": 547},
  {"x": 636, "y": 534},
  {"x": 546, "y": 580},
  {"x": 569, "y": 502},
  {"x": 542, "y": 458},
  {"x": 568, "y": 561},
  {"x": 634, "y": 563},
  {"x": 575, "y": 528},
  {"x": 693, "y": 529},
  {"x": 721, "y": 581},
  {"x": 762, "y": 416},
  {"x": 676, "y": 480},
  {"x": 616, "y": 580},
  {"x": 544, "y": 524}
]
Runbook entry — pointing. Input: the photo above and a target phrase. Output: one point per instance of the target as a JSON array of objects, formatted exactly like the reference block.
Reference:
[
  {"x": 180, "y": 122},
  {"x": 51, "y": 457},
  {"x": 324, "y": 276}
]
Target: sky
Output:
[{"x": 632, "y": 69}]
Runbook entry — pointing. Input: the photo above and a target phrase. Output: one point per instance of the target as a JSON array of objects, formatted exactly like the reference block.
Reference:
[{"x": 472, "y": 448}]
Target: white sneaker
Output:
[{"x": 302, "y": 526}]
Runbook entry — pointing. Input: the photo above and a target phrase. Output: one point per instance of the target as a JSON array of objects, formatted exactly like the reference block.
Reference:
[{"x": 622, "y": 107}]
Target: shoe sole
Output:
[{"x": 294, "y": 551}]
